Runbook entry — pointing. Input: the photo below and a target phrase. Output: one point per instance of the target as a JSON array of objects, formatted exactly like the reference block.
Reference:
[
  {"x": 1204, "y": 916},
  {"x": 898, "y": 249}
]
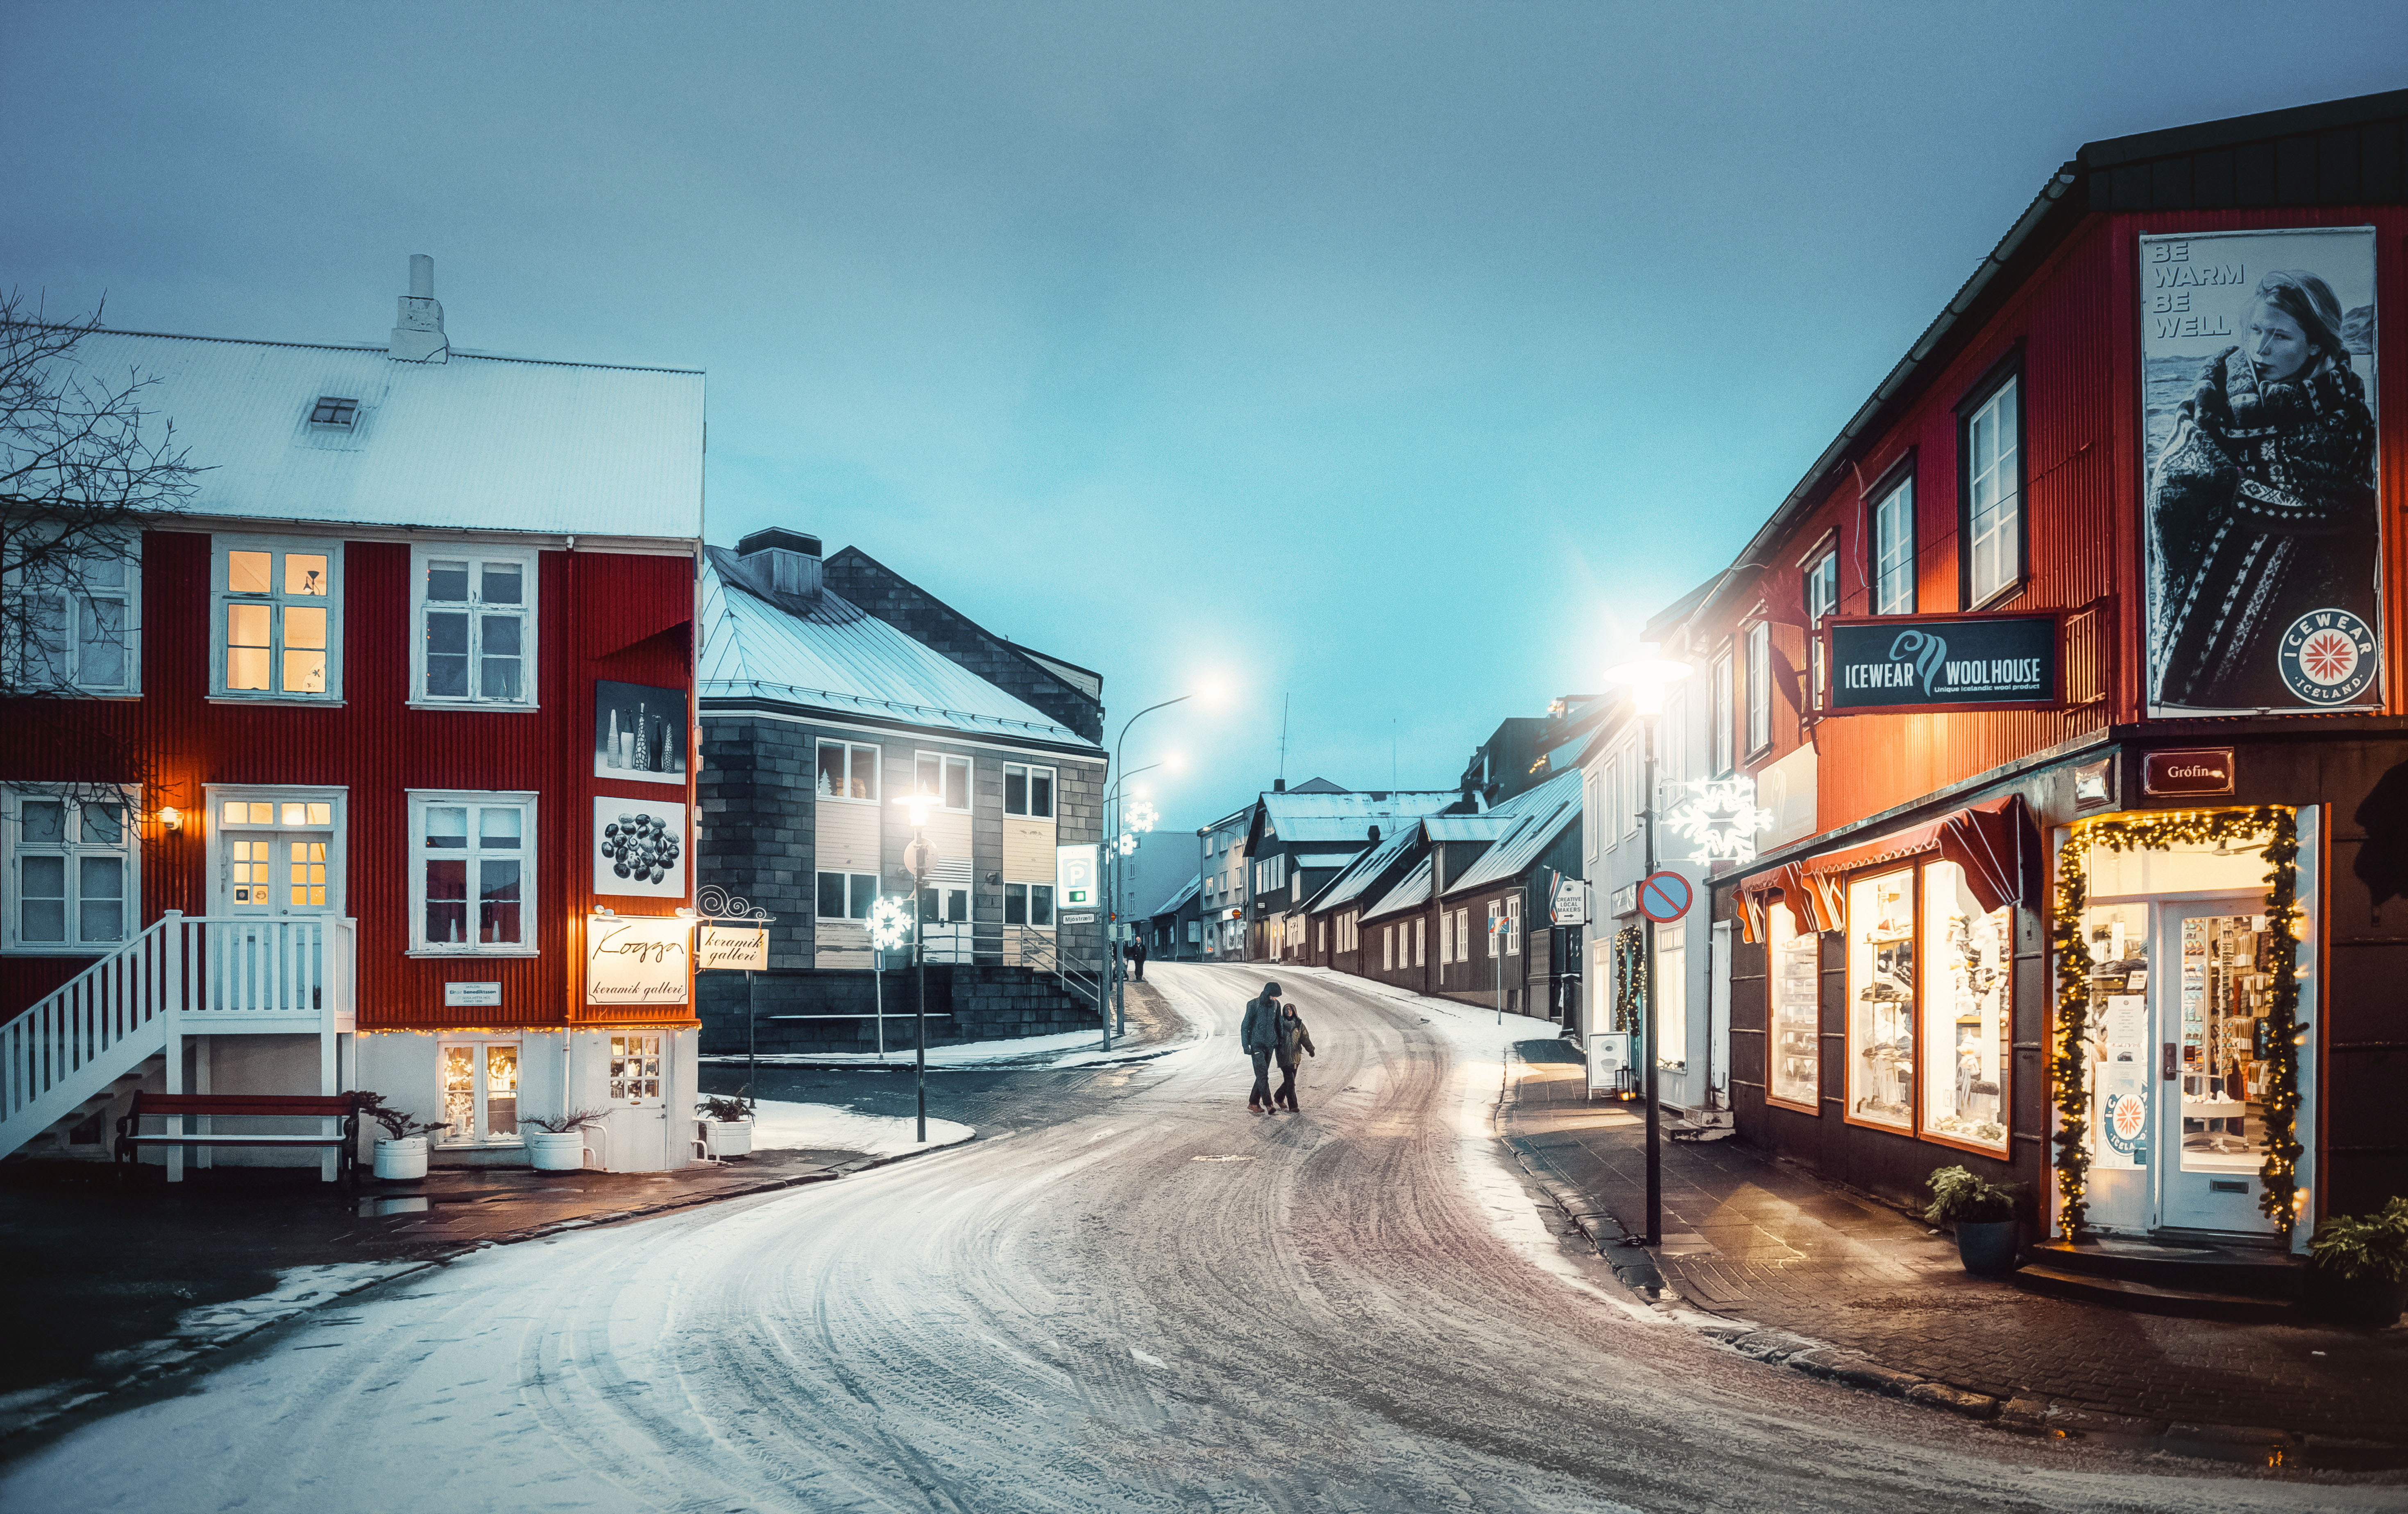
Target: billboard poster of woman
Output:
[{"x": 2264, "y": 535}]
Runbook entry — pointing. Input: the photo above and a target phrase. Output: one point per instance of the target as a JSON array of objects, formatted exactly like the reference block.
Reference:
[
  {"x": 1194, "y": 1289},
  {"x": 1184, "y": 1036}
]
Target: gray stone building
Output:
[{"x": 821, "y": 724}]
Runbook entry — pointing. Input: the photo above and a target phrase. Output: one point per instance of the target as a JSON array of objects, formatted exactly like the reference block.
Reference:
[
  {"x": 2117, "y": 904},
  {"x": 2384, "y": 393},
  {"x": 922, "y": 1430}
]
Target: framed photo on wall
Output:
[
  {"x": 640, "y": 848},
  {"x": 639, "y": 732}
]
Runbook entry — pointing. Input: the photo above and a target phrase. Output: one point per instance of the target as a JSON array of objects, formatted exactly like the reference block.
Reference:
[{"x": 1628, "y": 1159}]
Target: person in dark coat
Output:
[
  {"x": 1293, "y": 1038},
  {"x": 1258, "y": 1036},
  {"x": 1136, "y": 960}
]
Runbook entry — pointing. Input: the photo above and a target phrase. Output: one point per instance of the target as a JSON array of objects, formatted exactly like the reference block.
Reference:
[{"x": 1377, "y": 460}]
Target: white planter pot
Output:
[
  {"x": 728, "y": 1137},
  {"x": 405, "y": 1158},
  {"x": 556, "y": 1151}
]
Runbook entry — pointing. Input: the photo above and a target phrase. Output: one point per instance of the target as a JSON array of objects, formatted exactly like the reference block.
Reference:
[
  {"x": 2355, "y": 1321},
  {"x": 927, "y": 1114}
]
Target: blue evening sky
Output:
[{"x": 1395, "y": 359}]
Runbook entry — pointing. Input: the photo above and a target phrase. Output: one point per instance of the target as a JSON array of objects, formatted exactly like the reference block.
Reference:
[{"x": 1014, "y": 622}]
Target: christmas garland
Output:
[
  {"x": 2068, "y": 1056},
  {"x": 1629, "y": 966}
]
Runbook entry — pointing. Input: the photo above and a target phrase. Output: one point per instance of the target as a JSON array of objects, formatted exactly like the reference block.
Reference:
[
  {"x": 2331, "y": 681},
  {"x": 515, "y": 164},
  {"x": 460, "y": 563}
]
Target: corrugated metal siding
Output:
[{"x": 376, "y": 747}]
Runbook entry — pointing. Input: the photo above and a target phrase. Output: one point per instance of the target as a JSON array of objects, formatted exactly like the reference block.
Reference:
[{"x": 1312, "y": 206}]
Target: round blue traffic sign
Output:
[{"x": 1664, "y": 897}]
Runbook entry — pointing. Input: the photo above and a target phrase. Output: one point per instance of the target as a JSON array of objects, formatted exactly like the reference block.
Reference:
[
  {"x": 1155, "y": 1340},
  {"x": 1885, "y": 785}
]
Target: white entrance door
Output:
[
  {"x": 278, "y": 878},
  {"x": 2210, "y": 992}
]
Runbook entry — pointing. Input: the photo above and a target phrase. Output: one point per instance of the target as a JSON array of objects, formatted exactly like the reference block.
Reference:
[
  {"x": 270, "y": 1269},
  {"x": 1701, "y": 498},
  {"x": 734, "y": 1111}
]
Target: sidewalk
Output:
[
  {"x": 1154, "y": 1028},
  {"x": 1788, "y": 1268}
]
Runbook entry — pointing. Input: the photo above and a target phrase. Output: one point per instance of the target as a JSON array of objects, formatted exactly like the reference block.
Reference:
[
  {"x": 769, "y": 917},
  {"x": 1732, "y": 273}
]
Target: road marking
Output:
[
  {"x": 1221, "y": 1159},
  {"x": 1150, "y": 1360}
]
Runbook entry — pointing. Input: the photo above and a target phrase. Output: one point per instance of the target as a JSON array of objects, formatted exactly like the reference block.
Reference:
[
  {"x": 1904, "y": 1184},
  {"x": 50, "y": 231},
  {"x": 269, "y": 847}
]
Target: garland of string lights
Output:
[
  {"x": 2067, "y": 1058},
  {"x": 1629, "y": 964}
]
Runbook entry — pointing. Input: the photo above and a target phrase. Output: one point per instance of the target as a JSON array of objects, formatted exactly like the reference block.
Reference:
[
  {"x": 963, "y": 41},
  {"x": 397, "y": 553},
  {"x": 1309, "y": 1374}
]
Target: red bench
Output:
[{"x": 148, "y": 1106}]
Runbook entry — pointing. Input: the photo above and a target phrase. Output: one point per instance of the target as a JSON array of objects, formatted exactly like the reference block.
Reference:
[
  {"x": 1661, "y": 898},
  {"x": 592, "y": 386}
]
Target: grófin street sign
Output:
[{"x": 1664, "y": 896}]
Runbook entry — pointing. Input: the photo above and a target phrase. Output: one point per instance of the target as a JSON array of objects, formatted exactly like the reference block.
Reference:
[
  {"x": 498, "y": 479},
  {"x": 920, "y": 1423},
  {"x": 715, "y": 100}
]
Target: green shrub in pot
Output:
[
  {"x": 1959, "y": 1197},
  {"x": 2362, "y": 1263}
]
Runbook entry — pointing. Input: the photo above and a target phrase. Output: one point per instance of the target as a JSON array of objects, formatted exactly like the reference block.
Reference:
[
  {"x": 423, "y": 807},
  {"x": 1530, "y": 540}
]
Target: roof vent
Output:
[
  {"x": 782, "y": 561},
  {"x": 418, "y": 331},
  {"x": 1278, "y": 785}
]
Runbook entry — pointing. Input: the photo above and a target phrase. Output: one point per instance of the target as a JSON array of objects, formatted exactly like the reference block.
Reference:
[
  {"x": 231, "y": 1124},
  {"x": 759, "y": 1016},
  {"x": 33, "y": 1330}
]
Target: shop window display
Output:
[
  {"x": 2226, "y": 996},
  {"x": 1966, "y": 971},
  {"x": 2118, "y": 1063},
  {"x": 1797, "y": 961},
  {"x": 1881, "y": 999}
]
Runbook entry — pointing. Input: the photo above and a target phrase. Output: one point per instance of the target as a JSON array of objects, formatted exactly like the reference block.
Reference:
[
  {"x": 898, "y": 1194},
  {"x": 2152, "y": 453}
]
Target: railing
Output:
[
  {"x": 987, "y": 944},
  {"x": 188, "y": 975}
]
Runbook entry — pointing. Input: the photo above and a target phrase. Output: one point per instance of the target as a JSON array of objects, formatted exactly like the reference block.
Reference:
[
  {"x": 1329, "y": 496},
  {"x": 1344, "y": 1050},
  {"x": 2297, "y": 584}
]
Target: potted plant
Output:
[
  {"x": 1984, "y": 1213},
  {"x": 727, "y": 1125},
  {"x": 556, "y": 1143},
  {"x": 2361, "y": 1265},
  {"x": 402, "y": 1153}
]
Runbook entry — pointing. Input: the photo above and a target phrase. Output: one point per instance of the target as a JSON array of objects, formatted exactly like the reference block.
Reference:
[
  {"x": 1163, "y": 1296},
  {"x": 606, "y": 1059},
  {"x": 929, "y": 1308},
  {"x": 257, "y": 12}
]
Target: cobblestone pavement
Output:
[{"x": 1757, "y": 1240}]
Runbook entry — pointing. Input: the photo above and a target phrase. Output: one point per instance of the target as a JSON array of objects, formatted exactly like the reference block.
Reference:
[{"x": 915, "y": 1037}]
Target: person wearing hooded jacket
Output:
[
  {"x": 1258, "y": 1037},
  {"x": 1293, "y": 1038}
]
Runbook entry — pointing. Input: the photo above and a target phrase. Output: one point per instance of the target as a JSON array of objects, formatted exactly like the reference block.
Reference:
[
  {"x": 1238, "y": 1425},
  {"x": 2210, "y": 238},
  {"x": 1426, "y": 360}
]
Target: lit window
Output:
[
  {"x": 1028, "y": 790},
  {"x": 331, "y": 411},
  {"x": 1796, "y": 973},
  {"x": 1893, "y": 551},
  {"x": 1671, "y": 1016},
  {"x": 475, "y": 626},
  {"x": 1881, "y": 999},
  {"x": 847, "y": 772},
  {"x": 480, "y": 1091},
  {"x": 277, "y": 612},
  {"x": 71, "y": 871},
  {"x": 1994, "y": 496},
  {"x": 635, "y": 1069},
  {"x": 472, "y": 871}
]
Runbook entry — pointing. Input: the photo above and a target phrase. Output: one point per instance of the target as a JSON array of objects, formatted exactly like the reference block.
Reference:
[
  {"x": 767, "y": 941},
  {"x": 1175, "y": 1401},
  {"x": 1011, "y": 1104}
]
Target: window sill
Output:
[
  {"x": 470, "y": 953},
  {"x": 475, "y": 706},
  {"x": 283, "y": 701},
  {"x": 2012, "y": 592},
  {"x": 61, "y": 951}
]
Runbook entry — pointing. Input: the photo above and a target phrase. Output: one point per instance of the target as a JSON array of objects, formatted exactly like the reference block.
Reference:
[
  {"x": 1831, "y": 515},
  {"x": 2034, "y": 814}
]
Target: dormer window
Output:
[{"x": 331, "y": 411}]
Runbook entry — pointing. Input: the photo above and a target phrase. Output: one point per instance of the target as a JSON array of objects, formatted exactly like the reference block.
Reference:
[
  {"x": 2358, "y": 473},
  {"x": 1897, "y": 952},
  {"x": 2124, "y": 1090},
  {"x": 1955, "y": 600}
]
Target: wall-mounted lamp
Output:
[{"x": 172, "y": 818}]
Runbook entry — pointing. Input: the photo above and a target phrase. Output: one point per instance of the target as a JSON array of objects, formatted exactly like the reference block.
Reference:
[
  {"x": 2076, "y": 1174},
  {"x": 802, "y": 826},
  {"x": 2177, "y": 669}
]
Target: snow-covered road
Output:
[{"x": 1159, "y": 1303}]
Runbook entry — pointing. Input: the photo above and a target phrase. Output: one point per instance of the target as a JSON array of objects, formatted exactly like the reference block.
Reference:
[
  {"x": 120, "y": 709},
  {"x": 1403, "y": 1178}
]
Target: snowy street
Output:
[{"x": 1157, "y": 1302}]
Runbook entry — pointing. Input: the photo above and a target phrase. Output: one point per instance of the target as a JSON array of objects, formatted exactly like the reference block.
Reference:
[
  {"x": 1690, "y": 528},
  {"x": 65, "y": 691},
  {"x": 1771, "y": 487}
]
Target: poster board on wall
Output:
[
  {"x": 2258, "y": 457},
  {"x": 639, "y": 732},
  {"x": 638, "y": 849}
]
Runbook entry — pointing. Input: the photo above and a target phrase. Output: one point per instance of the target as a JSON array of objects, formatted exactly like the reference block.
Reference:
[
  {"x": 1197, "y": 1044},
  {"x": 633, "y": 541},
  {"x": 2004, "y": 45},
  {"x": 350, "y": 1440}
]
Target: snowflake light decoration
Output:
[
  {"x": 890, "y": 923},
  {"x": 1127, "y": 844},
  {"x": 1720, "y": 818},
  {"x": 1142, "y": 816}
]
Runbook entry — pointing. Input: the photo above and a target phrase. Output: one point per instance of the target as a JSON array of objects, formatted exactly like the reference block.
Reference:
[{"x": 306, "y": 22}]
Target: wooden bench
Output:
[{"x": 149, "y": 1105}]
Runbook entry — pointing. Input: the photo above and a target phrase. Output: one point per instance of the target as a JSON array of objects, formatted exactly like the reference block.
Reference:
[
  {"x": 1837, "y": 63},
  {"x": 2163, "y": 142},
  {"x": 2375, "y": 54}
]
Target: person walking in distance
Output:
[
  {"x": 1258, "y": 1036},
  {"x": 1293, "y": 1038},
  {"x": 1136, "y": 960}
]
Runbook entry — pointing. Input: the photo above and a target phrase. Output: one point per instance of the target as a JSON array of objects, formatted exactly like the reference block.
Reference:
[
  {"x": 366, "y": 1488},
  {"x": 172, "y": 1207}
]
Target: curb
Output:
[
  {"x": 168, "y": 1355},
  {"x": 2052, "y": 1419}
]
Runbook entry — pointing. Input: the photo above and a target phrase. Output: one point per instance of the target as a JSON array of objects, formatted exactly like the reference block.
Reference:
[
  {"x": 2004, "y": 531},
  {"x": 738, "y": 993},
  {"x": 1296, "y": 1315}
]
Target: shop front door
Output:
[{"x": 2210, "y": 994}]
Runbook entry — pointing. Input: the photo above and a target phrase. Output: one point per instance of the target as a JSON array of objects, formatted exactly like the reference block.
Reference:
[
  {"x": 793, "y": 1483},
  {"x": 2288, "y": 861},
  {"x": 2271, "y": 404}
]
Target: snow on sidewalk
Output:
[
  {"x": 778, "y": 1126},
  {"x": 1072, "y": 1048}
]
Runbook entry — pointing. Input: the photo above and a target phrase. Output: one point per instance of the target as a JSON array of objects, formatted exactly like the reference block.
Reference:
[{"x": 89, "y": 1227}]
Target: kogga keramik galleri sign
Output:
[{"x": 1895, "y": 663}]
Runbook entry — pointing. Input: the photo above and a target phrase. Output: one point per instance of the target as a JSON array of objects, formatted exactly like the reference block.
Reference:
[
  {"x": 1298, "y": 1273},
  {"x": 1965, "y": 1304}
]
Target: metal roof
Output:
[
  {"x": 1546, "y": 812},
  {"x": 477, "y": 443},
  {"x": 827, "y": 655},
  {"x": 1187, "y": 891},
  {"x": 1414, "y": 890},
  {"x": 1368, "y": 865},
  {"x": 1482, "y": 827},
  {"x": 1347, "y": 816}
]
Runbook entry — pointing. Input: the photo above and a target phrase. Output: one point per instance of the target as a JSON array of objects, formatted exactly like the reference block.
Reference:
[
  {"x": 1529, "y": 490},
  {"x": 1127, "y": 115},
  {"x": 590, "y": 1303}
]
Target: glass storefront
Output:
[
  {"x": 1967, "y": 966},
  {"x": 1881, "y": 999},
  {"x": 1795, "y": 972}
]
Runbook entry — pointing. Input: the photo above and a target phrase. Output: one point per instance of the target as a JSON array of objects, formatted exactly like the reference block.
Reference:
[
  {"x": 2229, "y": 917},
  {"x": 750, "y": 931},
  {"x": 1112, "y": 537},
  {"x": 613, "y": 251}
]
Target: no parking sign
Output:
[{"x": 1664, "y": 897}]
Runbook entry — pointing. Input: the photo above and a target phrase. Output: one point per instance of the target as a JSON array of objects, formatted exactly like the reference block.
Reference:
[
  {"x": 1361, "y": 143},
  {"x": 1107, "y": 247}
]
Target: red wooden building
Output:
[
  {"x": 381, "y": 758},
  {"x": 2085, "y": 638}
]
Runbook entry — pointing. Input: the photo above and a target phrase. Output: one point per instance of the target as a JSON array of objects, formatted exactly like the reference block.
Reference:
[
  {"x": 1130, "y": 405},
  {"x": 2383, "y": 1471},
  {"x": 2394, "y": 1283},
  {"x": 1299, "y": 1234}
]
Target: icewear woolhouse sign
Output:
[
  {"x": 1899, "y": 663},
  {"x": 637, "y": 959}
]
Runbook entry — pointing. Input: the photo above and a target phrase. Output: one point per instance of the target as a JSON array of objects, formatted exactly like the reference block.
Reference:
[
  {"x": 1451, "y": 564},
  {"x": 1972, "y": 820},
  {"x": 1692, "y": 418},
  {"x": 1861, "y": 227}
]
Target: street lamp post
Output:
[
  {"x": 916, "y": 859},
  {"x": 1648, "y": 678},
  {"x": 1107, "y": 976}
]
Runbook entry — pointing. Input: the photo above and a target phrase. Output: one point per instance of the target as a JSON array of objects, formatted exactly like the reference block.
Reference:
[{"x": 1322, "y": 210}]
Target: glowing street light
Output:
[{"x": 1647, "y": 677}]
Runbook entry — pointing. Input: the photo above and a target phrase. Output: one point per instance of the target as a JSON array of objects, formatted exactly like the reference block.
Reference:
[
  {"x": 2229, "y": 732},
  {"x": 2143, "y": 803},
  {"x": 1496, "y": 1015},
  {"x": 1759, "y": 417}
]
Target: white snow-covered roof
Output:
[
  {"x": 1540, "y": 815},
  {"x": 1347, "y": 816},
  {"x": 1186, "y": 890},
  {"x": 1368, "y": 865},
  {"x": 832, "y": 656},
  {"x": 1487, "y": 826},
  {"x": 1323, "y": 858},
  {"x": 1414, "y": 890},
  {"x": 477, "y": 443}
]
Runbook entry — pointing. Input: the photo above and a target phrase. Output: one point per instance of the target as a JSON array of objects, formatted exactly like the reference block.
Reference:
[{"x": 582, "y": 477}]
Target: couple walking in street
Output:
[{"x": 1273, "y": 1031}]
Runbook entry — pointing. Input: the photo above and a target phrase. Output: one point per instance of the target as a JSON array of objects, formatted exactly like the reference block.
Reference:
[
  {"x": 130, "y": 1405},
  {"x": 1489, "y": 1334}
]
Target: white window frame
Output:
[
  {"x": 1512, "y": 925},
  {"x": 1028, "y": 892},
  {"x": 1894, "y": 549},
  {"x": 422, "y": 555},
  {"x": 631, "y": 1045},
  {"x": 852, "y": 880},
  {"x": 480, "y": 1091},
  {"x": 71, "y": 847},
  {"x": 1028, "y": 772},
  {"x": 28, "y": 585},
  {"x": 1387, "y": 949},
  {"x": 1421, "y": 940},
  {"x": 1994, "y": 495},
  {"x": 524, "y": 802},
  {"x": 947, "y": 763},
  {"x": 852, "y": 751},
  {"x": 216, "y": 795},
  {"x": 221, "y": 597},
  {"x": 1759, "y": 686},
  {"x": 1726, "y": 717},
  {"x": 1822, "y": 590}
]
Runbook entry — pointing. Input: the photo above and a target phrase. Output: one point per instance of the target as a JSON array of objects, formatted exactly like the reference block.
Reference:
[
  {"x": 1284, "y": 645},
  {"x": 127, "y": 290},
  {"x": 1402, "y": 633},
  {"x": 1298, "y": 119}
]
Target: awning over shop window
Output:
[{"x": 1995, "y": 842}]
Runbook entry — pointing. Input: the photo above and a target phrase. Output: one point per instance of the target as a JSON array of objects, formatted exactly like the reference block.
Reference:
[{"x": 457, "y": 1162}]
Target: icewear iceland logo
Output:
[
  {"x": 2328, "y": 657},
  {"x": 1927, "y": 651}
]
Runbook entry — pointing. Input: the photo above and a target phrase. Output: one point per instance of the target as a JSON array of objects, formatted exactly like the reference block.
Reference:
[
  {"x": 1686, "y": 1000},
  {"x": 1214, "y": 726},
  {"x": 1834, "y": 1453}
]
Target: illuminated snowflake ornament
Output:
[
  {"x": 1142, "y": 816},
  {"x": 890, "y": 923},
  {"x": 1127, "y": 844},
  {"x": 1720, "y": 818}
]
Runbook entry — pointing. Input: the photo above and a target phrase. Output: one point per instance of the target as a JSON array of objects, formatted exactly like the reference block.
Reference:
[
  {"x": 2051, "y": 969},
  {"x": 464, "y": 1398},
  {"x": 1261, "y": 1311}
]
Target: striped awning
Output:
[{"x": 1995, "y": 843}]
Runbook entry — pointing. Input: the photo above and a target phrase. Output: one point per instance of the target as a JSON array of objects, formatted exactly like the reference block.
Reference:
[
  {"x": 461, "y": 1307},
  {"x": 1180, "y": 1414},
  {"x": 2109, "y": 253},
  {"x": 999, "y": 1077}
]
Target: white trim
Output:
[
  {"x": 214, "y": 797},
  {"x": 128, "y": 594},
  {"x": 128, "y": 848},
  {"x": 877, "y": 771},
  {"x": 524, "y": 802},
  {"x": 944, "y": 759},
  {"x": 1052, "y": 752},
  {"x": 1028, "y": 781},
  {"x": 350, "y": 531},
  {"x": 528, "y": 612},
  {"x": 276, "y": 599},
  {"x": 481, "y": 1117}
]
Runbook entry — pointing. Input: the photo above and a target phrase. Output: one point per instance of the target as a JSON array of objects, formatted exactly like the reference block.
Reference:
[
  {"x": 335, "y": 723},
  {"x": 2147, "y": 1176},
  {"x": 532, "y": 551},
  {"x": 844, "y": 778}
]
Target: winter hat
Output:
[{"x": 1270, "y": 991}]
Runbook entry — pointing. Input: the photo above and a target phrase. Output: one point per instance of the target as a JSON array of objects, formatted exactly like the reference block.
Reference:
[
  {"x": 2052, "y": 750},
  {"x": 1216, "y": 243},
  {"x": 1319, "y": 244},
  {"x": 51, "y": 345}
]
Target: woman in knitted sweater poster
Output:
[{"x": 2264, "y": 531}]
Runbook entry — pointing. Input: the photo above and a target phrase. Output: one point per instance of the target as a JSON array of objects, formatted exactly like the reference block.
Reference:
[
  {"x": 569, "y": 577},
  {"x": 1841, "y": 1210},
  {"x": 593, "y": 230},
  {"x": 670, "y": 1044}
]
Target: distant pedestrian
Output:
[
  {"x": 1258, "y": 1037},
  {"x": 1293, "y": 1038},
  {"x": 1136, "y": 961}
]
